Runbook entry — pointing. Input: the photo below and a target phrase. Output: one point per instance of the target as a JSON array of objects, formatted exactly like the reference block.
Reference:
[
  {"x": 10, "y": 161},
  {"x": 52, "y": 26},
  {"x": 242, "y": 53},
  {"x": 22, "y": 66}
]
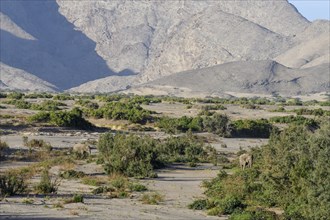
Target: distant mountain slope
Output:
[
  {"x": 16, "y": 79},
  {"x": 159, "y": 38},
  {"x": 103, "y": 46},
  {"x": 257, "y": 77},
  {"x": 37, "y": 39},
  {"x": 316, "y": 50}
]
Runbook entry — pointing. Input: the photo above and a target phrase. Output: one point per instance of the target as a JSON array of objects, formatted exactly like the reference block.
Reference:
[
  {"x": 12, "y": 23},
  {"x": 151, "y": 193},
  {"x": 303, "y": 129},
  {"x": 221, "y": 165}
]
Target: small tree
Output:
[{"x": 46, "y": 185}]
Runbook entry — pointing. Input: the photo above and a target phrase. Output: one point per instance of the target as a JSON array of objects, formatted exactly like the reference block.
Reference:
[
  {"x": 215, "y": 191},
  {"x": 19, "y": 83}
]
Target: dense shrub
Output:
[
  {"x": 138, "y": 156},
  {"x": 315, "y": 112},
  {"x": 325, "y": 103},
  {"x": 250, "y": 106},
  {"x": 121, "y": 111},
  {"x": 3, "y": 95},
  {"x": 77, "y": 198},
  {"x": 39, "y": 144},
  {"x": 73, "y": 118},
  {"x": 72, "y": 174},
  {"x": 18, "y": 103},
  {"x": 199, "y": 204},
  {"x": 87, "y": 104},
  {"x": 129, "y": 155},
  {"x": 63, "y": 97},
  {"x": 185, "y": 149},
  {"x": 176, "y": 125},
  {"x": 3, "y": 148},
  {"x": 297, "y": 120},
  {"x": 15, "y": 95},
  {"x": 38, "y": 95},
  {"x": 291, "y": 172},
  {"x": 40, "y": 117},
  {"x": 11, "y": 184},
  {"x": 46, "y": 184},
  {"x": 259, "y": 128},
  {"x": 47, "y": 105},
  {"x": 213, "y": 107},
  {"x": 217, "y": 124},
  {"x": 294, "y": 102}
]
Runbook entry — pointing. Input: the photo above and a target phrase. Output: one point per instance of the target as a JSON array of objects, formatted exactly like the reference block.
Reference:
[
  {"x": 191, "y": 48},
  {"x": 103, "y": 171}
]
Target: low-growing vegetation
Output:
[
  {"x": 3, "y": 148},
  {"x": 152, "y": 198},
  {"x": 138, "y": 156},
  {"x": 119, "y": 186},
  {"x": 297, "y": 120},
  {"x": 121, "y": 111},
  {"x": 290, "y": 172},
  {"x": 260, "y": 128},
  {"x": 73, "y": 118},
  {"x": 12, "y": 183},
  {"x": 47, "y": 185}
]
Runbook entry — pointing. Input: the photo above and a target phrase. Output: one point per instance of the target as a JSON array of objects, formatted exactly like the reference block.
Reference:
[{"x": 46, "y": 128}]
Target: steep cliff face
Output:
[
  {"x": 112, "y": 45},
  {"x": 37, "y": 39},
  {"x": 158, "y": 38}
]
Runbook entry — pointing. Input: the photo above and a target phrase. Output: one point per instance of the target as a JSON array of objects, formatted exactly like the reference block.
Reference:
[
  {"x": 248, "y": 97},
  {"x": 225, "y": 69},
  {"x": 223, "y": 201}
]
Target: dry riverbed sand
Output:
[{"x": 179, "y": 184}]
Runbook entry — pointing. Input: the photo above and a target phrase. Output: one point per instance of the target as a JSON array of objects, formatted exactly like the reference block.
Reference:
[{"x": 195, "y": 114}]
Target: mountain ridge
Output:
[{"x": 106, "y": 46}]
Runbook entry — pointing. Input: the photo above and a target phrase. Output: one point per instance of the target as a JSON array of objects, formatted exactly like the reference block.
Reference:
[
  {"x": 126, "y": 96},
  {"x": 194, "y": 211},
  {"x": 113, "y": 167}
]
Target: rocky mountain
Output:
[
  {"x": 12, "y": 78},
  {"x": 269, "y": 77},
  {"x": 103, "y": 46}
]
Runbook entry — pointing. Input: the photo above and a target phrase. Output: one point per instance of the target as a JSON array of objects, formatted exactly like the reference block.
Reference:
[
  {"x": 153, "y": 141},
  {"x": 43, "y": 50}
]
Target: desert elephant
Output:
[
  {"x": 81, "y": 149},
  {"x": 245, "y": 160}
]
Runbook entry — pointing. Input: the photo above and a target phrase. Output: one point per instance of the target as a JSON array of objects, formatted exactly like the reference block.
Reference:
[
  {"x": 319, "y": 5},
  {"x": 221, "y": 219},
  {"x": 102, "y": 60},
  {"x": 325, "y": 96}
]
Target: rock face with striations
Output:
[{"x": 102, "y": 46}]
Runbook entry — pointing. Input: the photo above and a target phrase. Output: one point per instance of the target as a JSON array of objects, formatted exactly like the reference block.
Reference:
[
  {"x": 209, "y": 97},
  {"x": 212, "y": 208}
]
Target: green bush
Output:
[
  {"x": 72, "y": 174},
  {"x": 87, "y": 104},
  {"x": 121, "y": 111},
  {"x": 199, "y": 204},
  {"x": 176, "y": 125},
  {"x": 297, "y": 120},
  {"x": 63, "y": 97},
  {"x": 73, "y": 118},
  {"x": 290, "y": 172},
  {"x": 77, "y": 198},
  {"x": 48, "y": 105},
  {"x": 315, "y": 112},
  {"x": 130, "y": 155},
  {"x": 138, "y": 156},
  {"x": 136, "y": 187},
  {"x": 3, "y": 95},
  {"x": 3, "y": 148},
  {"x": 18, "y": 103},
  {"x": 257, "y": 214},
  {"x": 38, "y": 95},
  {"x": 41, "y": 117},
  {"x": 152, "y": 198},
  {"x": 12, "y": 184},
  {"x": 259, "y": 128},
  {"x": 46, "y": 185},
  {"x": 217, "y": 124},
  {"x": 213, "y": 107},
  {"x": 15, "y": 95},
  {"x": 250, "y": 106}
]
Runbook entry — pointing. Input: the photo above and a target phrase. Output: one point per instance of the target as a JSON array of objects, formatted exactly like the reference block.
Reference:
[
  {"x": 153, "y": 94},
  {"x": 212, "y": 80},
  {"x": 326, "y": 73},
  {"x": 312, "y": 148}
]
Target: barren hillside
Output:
[{"x": 103, "y": 46}]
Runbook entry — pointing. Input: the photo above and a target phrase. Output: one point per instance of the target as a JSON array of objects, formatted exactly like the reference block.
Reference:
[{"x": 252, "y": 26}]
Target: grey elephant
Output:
[
  {"x": 81, "y": 149},
  {"x": 245, "y": 160}
]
